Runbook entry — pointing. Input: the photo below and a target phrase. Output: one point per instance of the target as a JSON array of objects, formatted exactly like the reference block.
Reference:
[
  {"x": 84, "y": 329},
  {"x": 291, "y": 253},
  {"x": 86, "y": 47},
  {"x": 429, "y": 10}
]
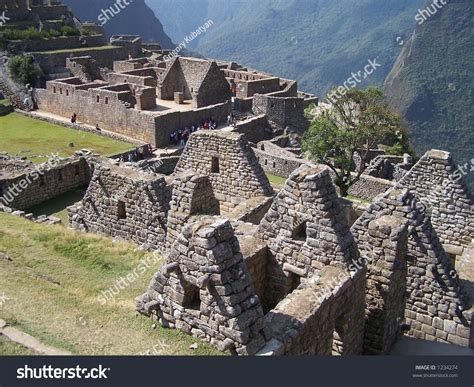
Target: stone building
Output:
[
  {"x": 435, "y": 304},
  {"x": 124, "y": 203},
  {"x": 198, "y": 80},
  {"x": 230, "y": 163}
]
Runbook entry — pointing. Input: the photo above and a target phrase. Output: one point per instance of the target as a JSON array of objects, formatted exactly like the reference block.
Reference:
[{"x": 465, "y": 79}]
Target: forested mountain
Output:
[
  {"x": 432, "y": 83},
  {"x": 136, "y": 18},
  {"x": 318, "y": 42}
]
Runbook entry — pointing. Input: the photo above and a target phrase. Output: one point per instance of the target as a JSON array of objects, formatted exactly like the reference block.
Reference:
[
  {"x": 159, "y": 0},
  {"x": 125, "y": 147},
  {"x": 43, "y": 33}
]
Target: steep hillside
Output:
[
  {"x": 318, "y": 42},
  {"x": 136, "y": 18},
  {"x": 431, "y": 83}
]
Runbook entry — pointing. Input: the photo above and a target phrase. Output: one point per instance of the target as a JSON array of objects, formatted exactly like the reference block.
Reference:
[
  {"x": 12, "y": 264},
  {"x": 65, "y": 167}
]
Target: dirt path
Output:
[{"x": 28, "y": 341}]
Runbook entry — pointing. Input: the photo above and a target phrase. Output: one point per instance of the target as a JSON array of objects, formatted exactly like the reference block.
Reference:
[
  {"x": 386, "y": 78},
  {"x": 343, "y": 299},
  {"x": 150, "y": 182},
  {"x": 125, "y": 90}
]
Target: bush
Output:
[
  {"x": 24, "y": 69},
  {"x": 69, "y": 31}
]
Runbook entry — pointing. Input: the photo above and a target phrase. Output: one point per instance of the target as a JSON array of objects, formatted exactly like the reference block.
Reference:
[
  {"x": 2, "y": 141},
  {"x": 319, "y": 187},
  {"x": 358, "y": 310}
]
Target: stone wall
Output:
[
  {"x": 205, "y": 290},
  {"x": 192, "y": 195},
  {"x": 435, "y": 305},
  {"x": 59, "y": 43},
  {"x": 104, "y": 56},
  {"x": 43, "y": 182},
  {"x": 306, "y": 229},
  {"x": 123, "y": 203},
  {"x": 277, "y": 161},
  {"x": 386, "y": 283},
  {"x": 255, "y": 129},
  {"x": 281, "y": 112},
  {"x": 437, "y": 182},
  {"x": 229, "y": 162},
  {"x": 305, "y": 323},
  {"x": 90, "y": 101}
]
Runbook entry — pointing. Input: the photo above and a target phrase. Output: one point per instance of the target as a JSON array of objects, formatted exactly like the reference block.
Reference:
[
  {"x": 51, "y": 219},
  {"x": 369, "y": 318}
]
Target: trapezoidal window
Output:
[
  {"x": 299, "y": 232},
  {"x": 121, "y": 210},
  {"x": 60, "y": 175},
  {"x": 106, "y": 100},
  {"x": 192, "y": 296},
  {"x": 215, "y": 168},
  {"x": 98, "y": 99}
]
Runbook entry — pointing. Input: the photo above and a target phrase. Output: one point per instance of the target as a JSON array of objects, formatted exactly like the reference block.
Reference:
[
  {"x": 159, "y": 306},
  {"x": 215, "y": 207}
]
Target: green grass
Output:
[
  {"x": 8, "y": 347},
  {"x": 57, "y": 206},
  {"x": 5, "y": 102},
  {"x": 37, "y": 139},
  {"x": 74, "y": 50},
  {"x": 53, "y": 283},
  {"x": 278, "y": 180}
]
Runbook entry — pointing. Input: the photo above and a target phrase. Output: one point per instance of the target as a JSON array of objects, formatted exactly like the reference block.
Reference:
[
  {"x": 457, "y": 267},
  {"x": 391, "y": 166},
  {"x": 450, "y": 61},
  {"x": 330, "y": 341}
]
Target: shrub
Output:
[
  {"x": 24, "y": 69},
  {"x": 69, "y": 31}
]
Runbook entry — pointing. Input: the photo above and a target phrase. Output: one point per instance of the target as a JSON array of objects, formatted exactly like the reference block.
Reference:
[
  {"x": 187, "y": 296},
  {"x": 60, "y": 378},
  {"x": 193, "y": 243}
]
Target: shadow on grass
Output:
[{"x": 58, "y": 205}]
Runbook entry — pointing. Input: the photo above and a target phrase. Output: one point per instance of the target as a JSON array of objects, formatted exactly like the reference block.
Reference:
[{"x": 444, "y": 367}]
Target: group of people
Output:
[
  {"x": 180, "y": 137},
  {"x": 140, "y": 153}
]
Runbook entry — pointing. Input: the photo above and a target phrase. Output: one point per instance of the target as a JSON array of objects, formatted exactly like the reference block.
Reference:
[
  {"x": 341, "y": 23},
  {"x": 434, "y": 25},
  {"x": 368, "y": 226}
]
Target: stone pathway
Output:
[{"x": 28, "y": 341}]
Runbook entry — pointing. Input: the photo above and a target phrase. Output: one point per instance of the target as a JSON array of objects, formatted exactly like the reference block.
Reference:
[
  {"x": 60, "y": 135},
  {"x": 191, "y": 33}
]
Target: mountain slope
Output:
[
  {"x": 431, "y": 83},
  {"x": 318, "y": 42},
  {"x": 135, "y": 19}
]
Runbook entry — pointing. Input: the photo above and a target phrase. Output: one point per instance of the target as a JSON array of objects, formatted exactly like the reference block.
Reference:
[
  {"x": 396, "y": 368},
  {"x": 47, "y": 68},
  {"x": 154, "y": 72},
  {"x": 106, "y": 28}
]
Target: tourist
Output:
[
  {"x": 229, "y": 119},
  {"x": 74, "y": 119},
  {"x": 206, "y": 124},
  {"x": 97, "y": 127}
]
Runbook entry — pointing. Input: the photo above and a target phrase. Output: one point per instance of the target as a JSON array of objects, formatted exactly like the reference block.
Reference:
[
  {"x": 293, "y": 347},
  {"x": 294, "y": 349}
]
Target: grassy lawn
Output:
[
  {"x": 57, "y": 206},
  {"x": 37, "y": 139},
  {"x": 10, "y": 348},
  {"x": 278, "y": 180},
  {"x": 52, "y": 286}
]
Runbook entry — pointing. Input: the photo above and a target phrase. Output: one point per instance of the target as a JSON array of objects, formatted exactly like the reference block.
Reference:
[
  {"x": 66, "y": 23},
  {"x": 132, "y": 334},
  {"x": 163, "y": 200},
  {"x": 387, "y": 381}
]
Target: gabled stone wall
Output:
[
  {"x": 205, "y": 290},
  {"x": 435, "y": 305},
  {"x": 126, "y": 204},
  {"x": 230, "y": 163},
  {"x": 438, "y": 183},
  {"x": 305, "y": 229}
]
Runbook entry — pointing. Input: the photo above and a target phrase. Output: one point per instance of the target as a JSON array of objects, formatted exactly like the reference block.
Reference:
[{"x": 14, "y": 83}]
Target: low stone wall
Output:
[
  {"x": 59, "y": 43},
  {"x": 44, "y": 182},
  {"x": 104, "y": 57},
  {"x": 278, "y": 165},
  {"x": 368, "y": 187},
  {"x": 315, "y": 321},
  {"x": 254, "y": 129}
]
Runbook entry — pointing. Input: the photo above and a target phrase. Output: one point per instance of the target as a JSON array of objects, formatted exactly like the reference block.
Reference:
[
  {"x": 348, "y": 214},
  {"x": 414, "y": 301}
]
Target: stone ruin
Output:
[{"x": 314, "y": 284}]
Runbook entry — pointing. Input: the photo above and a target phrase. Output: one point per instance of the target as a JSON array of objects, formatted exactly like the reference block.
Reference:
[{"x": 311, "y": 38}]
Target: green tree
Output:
[
  {"x": 358, "y": 121},
  {"x": 24, "y": 69}
]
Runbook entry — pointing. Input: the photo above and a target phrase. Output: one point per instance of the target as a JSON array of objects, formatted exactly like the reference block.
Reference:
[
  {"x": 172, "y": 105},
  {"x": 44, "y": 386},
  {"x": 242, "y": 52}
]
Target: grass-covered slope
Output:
[
  {"x": 318, "y": 42},
  {"x": 431, "y": 83},
  {"x": 52, "y": 286}
]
